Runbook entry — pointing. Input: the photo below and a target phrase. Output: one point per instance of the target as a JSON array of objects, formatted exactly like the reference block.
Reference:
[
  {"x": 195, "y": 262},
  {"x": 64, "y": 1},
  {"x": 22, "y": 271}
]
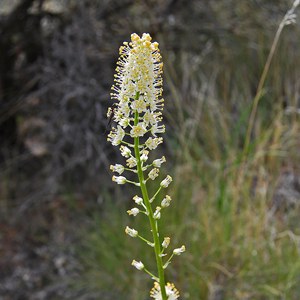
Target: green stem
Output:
[{"x": 153, "y": 224}]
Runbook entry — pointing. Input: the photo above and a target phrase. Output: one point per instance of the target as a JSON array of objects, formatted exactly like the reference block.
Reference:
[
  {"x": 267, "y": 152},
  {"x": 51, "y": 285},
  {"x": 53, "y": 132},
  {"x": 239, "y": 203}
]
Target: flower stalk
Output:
[
  {"x": 153, "y": 222},
  {"x": 137, "y": 114}
]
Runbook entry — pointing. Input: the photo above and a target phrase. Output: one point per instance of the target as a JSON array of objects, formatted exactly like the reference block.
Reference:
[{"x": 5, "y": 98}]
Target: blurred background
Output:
[{"x": 235, "y": 208}]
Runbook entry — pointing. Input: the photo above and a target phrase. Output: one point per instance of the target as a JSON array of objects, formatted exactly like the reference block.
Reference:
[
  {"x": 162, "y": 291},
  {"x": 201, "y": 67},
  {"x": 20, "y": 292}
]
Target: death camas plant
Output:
[{"x": 137, "y": 113}]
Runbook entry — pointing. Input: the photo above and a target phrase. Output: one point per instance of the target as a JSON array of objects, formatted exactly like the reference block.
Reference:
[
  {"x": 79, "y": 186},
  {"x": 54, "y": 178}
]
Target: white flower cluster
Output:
[
  {"x": 137, "y": 111},
  {"x": 138, "y": 88}
]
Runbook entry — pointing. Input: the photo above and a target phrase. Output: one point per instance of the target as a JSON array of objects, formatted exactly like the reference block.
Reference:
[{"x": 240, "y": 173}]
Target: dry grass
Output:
[{"x": 241, "y": 243}]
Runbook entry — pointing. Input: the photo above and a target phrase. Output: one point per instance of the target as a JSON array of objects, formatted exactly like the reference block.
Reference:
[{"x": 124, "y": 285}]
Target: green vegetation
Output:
[
  {"x": 236, "y": 182},
  {"x": 242, "y": 242}
]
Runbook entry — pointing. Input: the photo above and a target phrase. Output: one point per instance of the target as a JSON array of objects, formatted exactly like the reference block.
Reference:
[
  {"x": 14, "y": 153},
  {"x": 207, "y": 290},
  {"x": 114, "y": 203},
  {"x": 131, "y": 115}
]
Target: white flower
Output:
[
  {"x": 131, "y": 162},
  {"x": 138, "y": 130},
  {"x": 138, "y": 200},
  {"x": 139, "y": 105},
  {"x": 157, "y": 213},
  {"x": 138, "y": 264},
  {"x": 180, "y": 250},
  {"x": 153, "y": 173},
  {"x": 125, "y": 151},
  {"x": 171, "y": 292},
  {"x": 166, "y": 201},
  {"x": 150, "y": 117},
  {"x": 166, "y": 182},
  {"x": 119, "y": 179},
  {"x": 131, "y": 232},
  {"x": 116, "y": 135},
  {"x": 152, "y": 143},
  {"x": 124, "y": 108},
  {"x": 158, "y": 129},
  {"x": 133, "y": 212},
  {"x": 165, "y": 244},
  {"x": 117, "y": 168},
  {"x": 144, "y": 155},
  {"x": 158, "y": 162},
  {"x": 124, "y": 122}
]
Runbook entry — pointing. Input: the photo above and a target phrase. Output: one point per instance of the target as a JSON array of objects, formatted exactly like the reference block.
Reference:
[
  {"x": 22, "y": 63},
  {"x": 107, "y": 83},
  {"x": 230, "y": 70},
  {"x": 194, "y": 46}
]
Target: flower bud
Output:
[
  {"x": 131, "y": 232},
  {"x": 166, "y": 201},
  {"x": 158, "y": 162},
  {"x": 138, "y": 200},
  {"x": 119, "y": 179},
  {"x": 180, "y": 250},
  {"x": 153, "y": 173},
  {"x": 133, "y": 212},
  {"x": 138, "y": 264},
  {"x": 157, "y": 213},
  {"x": 166, "y": 242},
  {"x": 117, "y": 168},
  {"x": 144, "y": 155},
  {"x": 166, "y": 182}
]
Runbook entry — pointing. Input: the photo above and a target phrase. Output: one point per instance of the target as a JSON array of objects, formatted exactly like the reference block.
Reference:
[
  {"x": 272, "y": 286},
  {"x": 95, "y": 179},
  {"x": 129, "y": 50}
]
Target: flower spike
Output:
[
  {"x": 137, "y": 114},
  {"x": 139, "y": 72}
]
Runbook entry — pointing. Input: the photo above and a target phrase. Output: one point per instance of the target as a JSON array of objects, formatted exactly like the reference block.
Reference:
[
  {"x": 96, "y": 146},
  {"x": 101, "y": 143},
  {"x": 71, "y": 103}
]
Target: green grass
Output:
[
  {"x": 234, "y": 243},
  {"x": 222, "y": 209},
  {"x": 241, "y": 248}
]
